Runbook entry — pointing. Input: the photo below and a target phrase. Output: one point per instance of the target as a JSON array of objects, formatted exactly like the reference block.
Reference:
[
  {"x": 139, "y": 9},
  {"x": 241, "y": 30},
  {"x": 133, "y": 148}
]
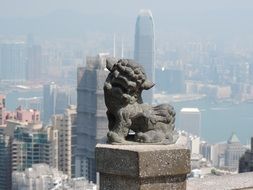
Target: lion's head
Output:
[{"x": 127, "y": 79}]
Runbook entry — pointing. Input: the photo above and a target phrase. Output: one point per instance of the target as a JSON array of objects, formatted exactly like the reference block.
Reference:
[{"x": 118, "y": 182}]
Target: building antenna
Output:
[
  {"x": 114, "y": 45},
  {"x": 122, "y": 48}
]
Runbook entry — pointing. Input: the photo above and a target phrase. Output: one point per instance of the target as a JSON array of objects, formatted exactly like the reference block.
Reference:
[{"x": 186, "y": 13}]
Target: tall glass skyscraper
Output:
[
  {"x": 91, "y": 115},
  {"x": 144, "y": 49},
  {"x": 5, "y": 161},
  {"x": 49, "y": 101}
]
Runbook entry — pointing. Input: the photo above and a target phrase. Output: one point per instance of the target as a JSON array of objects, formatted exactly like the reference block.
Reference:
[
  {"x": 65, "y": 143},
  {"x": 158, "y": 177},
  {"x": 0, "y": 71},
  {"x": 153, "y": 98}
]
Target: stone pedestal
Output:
[{"x": 142, "y": 167}]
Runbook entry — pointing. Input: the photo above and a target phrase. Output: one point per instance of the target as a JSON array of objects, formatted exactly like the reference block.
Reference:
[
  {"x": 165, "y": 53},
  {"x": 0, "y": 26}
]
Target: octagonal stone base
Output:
[{"x": 142, "y": 167}]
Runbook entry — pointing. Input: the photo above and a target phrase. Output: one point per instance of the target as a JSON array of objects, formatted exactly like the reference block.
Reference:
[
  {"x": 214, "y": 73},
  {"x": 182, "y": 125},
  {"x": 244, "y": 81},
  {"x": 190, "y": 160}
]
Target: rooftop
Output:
[
  {"x": 190, "y": 110},
  {"x": 145, "y": 12},
  {"x": 233, "y": 139}
]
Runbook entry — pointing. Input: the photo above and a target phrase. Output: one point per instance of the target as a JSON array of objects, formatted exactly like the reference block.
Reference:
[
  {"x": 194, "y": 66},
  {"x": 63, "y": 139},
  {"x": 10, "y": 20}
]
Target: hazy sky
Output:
[
  {"x": 30, "y": 8},
  {"x": 219, "y": 18}
]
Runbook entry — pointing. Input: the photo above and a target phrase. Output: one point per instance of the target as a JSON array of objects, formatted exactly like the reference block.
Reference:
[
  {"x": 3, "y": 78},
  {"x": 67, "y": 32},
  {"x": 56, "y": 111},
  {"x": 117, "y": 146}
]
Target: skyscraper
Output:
[
  {"x": 233, "y": 152},
  {"x": 2, "y": 109},
  {"x": 246, "y": 161},
  {"x": 33, "y": 63},
  {"x": 62, "y": 100},
  {"x": 5, "y": 162},
  {"x": 12, "y": 61},
  {"x": 190, "y": 120},
  {"x": 91, "y": 114},
  {"x": 29, "y": 147},
  {"x": 144, "y": 48},
  {"x": 49, "y": 101},
  {"x": 56, "y": 100},
  {"x": 62, "y": 137}
]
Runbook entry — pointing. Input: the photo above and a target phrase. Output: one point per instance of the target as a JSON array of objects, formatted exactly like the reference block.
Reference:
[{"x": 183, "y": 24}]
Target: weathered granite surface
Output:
[
  {"x": 126, "y": 110},
  {"x": 226, "y": 182},
  {"x": 145, "y": 167}
]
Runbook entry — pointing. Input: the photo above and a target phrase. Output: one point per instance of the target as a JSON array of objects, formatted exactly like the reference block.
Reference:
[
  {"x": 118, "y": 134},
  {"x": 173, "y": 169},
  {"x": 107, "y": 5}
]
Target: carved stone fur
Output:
[{"x": 126, "y": 110}]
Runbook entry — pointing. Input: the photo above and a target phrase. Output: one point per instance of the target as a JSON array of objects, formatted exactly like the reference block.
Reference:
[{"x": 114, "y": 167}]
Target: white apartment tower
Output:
[
  {"x": 190, "y": 121},
  {"x": 62, "y": 136}
]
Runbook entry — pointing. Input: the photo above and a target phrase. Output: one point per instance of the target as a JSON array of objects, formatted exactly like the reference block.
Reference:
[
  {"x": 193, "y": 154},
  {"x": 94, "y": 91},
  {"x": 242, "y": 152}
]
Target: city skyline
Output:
[
  {"x": 195, "y": 19},
  {"x": 202, "y": 54}
]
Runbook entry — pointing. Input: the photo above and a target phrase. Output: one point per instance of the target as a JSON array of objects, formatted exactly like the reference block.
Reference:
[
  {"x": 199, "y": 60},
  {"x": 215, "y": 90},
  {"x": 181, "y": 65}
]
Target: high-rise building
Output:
[
  {"x": 29, "y": 116},
  {"x": 63, "y": 98},
  {"x": 144, "y": 48},
  {"x": 44, "y": 177},
  {"x": 56, "y": 100},
  {"x": 246, "y": 161},
  {"x": 34, "y": 61},
  {"x": 190, "y": 121},
  {"x": 5, "y": 162},
  {"x": 49, "y": 101},
  {"x": 91, "y": 114},
  {"x": 38, "y": 176},
  {"x": 218, "y": 154},
  {"x": 251, "y": 73},
  {"x": 206, "y": 150},
  {"x": 12, "y": 61},
  {"x": 2, "y": 109},
  {"x": 233, "y": 152},
  {"x": 194, "y": 144},
  {"x": 227, "y": 154},
  {"x": 21, "y": 117},
  {"x": 29, "y": 147},
  {"x": 62, "y": 136}
]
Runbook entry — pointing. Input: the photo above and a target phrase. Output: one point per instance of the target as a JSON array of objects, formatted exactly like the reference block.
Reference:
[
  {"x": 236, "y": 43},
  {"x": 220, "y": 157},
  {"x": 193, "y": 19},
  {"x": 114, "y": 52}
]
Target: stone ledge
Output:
[
  {"x": 228, "y": 182},
  {"x": 112, "y": 182}
]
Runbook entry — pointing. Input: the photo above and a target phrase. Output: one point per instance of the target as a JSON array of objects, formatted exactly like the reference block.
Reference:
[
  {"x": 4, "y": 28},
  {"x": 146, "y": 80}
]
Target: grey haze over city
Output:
[
  {"x": 90, "y": 27},
  {"x": 200, "y": 19},
  {"x": 53, "y": 55}
]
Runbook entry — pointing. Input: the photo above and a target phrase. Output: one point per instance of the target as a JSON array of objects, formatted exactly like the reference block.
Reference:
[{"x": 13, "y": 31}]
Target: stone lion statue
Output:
[{"x": 126, "y": 110}]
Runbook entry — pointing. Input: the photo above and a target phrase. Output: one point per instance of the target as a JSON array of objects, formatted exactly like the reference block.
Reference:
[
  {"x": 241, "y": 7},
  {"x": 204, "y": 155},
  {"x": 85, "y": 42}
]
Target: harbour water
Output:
[
  {"x": 12, "y": 97},
  {"x": 218, "y": 120}
]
